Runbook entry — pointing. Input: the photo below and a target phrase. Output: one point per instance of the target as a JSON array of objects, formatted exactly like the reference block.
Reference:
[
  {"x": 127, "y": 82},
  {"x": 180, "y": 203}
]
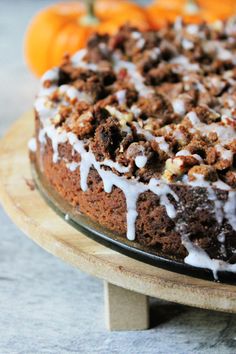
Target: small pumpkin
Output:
[
  {"x": 192, "y": 11},
  {"x": 65, "y": 27},
  {"x": 160, "y": 12},
  {"x": 220, "y": 9}
]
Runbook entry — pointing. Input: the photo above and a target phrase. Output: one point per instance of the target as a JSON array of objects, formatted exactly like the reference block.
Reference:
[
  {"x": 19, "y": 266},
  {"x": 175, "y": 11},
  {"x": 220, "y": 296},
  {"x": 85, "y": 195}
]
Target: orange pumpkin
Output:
[
  {"x": 65, "y": 27},
  {"x": 221, "y": 9},
  {"x": 161, "y": 12},
  {"x": 192, "y": 11}
]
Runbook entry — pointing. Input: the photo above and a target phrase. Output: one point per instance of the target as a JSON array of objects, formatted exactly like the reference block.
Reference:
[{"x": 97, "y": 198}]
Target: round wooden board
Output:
[{"x": 29, "y": 211}]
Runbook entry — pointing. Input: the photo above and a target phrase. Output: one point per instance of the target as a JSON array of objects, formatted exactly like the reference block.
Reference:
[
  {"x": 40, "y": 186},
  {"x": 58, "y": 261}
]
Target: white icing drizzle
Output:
[
  {"x": 184, "y": 63},
  {"x": 163, "y": 145},
  {"x": 136, "y": 35},
  {"x": 216, "y": 82},
  {"x": 178, "y": 135},
  {"x": 179, "y": 106},
  {"x": 32, "y": 145},
  {"x": 140, "y": 161},
  {"x": 77, "y": 61},
  {"x": 221, "y": 239},
  {"x": 140, "y": 40},
  {"x": 136, "y": 78},
  {"x": 118, "y": 167},
  {"x": 57, "y": 137},
  {"x": 188, "y": 153},
  {"x": 51, "y": 75},
  {"x": 135, "y": 110},
  {"x": 186, "y": 44},
  {"x": 221, "y": 185},
  {"x": 72, "y": 93},
  {"x": 192, "y": 116},
  {"x": 223, "y": 54},
  {"x": 155, "y": 53},
  {"x": 226, "y": 134},
  {"x": 192, "y": 29},
  {"x": 197, "y": 257},
  {"x": 72, "y": 166},
  {"x": 230, "y": 209},
  {"x": 45, "y": 108},
  {"x": 224, "y": 153},
  {"x": 104, "y": 49},
  {"x": 183, "y": 153},
  {"x": 121, "y": 97},
  {"x": 162, "y": 190},
  {"x": 201, "y": 182}
]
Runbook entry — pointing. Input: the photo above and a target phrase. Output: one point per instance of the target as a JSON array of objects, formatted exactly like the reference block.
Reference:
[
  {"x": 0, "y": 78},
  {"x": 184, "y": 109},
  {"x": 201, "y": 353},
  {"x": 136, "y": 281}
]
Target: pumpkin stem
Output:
[
  {"x": 89, "y": 19},
  {"x": 191, "y": 7}
]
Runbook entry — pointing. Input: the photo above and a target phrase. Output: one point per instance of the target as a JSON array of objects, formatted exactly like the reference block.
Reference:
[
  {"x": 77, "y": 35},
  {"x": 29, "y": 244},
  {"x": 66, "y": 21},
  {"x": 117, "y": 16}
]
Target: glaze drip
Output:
[{"x": 131, "y": 188}]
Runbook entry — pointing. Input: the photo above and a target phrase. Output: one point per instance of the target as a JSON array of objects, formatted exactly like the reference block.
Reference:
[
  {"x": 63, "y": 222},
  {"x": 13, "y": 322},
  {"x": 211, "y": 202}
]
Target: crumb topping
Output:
[{"x": 161, "y": 102}]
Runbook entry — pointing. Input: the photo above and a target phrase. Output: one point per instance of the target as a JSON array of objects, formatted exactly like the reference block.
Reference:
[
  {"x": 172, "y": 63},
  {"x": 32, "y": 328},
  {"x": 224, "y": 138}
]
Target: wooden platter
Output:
[{"x": 31, "y": 214}]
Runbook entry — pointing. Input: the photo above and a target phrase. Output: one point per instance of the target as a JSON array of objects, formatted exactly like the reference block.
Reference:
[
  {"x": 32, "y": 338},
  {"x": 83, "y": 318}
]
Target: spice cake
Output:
[{"x": 137, "y": 131}]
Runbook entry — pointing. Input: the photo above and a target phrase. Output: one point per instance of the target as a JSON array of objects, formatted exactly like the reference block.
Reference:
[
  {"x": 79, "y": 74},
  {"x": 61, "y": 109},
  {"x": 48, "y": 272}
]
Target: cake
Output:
[{"x": 137, "y": 131}]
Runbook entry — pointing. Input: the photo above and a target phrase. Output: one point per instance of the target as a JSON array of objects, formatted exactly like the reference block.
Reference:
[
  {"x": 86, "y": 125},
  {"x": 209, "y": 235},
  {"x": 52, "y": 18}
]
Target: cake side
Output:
[
  {"x": 138, "y": 132},
  {"x": 154, "y": 227}
]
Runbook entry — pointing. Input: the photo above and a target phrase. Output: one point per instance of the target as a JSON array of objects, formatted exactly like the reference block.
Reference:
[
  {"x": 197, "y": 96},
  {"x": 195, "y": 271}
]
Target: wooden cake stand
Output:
[{"x": 128, "y": 282}]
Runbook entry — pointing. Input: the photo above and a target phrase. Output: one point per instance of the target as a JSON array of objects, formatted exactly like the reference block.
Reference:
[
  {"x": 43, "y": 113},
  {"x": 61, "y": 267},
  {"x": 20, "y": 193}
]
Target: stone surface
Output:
[{"x": 47, "y": 306}]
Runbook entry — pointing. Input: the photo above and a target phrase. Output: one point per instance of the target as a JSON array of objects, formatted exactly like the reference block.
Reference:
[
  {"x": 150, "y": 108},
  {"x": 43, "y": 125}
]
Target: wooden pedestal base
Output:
[
  {"x": 125, "y": 309},
  {"x": 126, "y": 301}
]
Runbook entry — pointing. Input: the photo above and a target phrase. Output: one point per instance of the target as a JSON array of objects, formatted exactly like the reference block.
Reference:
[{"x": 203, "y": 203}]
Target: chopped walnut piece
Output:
[
  {"x": 57, "y": 120},
  {"x": 175, "y": 166},
  {"x": 81, "y": 125},
  {"x": 160, "y": 109},
  {"x": 197, "y": 146},
  {"x": 47, "y": 83},
  {"x": 211, "y": 155},
  {"x": 163, "y": 155},
  {"x": 163, "y": 73},
  {"x": 135, "y": 149},
  {"x": 82, "y": 106},
  {"x": 208, "y": 172},
  {"x": 232, "y": 146},
  {"x": 65, "y": 111},
  {"x": 168, "y": 176},
  {"x": 230, "y": 178},
  {"x": 207, "y": 115},
  {"x": 123, "y": 117},
  {"x": 182, "y": 135},
  {"x": 213, "y": 137},
  {"x": 179, "y": 165},
  {"x": 222, "y": 165}
]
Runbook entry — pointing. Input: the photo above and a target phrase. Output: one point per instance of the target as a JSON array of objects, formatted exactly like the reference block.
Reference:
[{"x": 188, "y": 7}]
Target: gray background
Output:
[{"x": 47, "y": 306}]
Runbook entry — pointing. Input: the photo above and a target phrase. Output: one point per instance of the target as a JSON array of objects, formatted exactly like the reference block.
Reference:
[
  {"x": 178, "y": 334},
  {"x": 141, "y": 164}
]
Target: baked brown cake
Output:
[{"x": 137, "y": 131}]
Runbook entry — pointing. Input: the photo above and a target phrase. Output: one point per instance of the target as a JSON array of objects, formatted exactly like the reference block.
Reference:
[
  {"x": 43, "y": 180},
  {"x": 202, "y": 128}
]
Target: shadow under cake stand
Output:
[{"x": 127, "y": 282}]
